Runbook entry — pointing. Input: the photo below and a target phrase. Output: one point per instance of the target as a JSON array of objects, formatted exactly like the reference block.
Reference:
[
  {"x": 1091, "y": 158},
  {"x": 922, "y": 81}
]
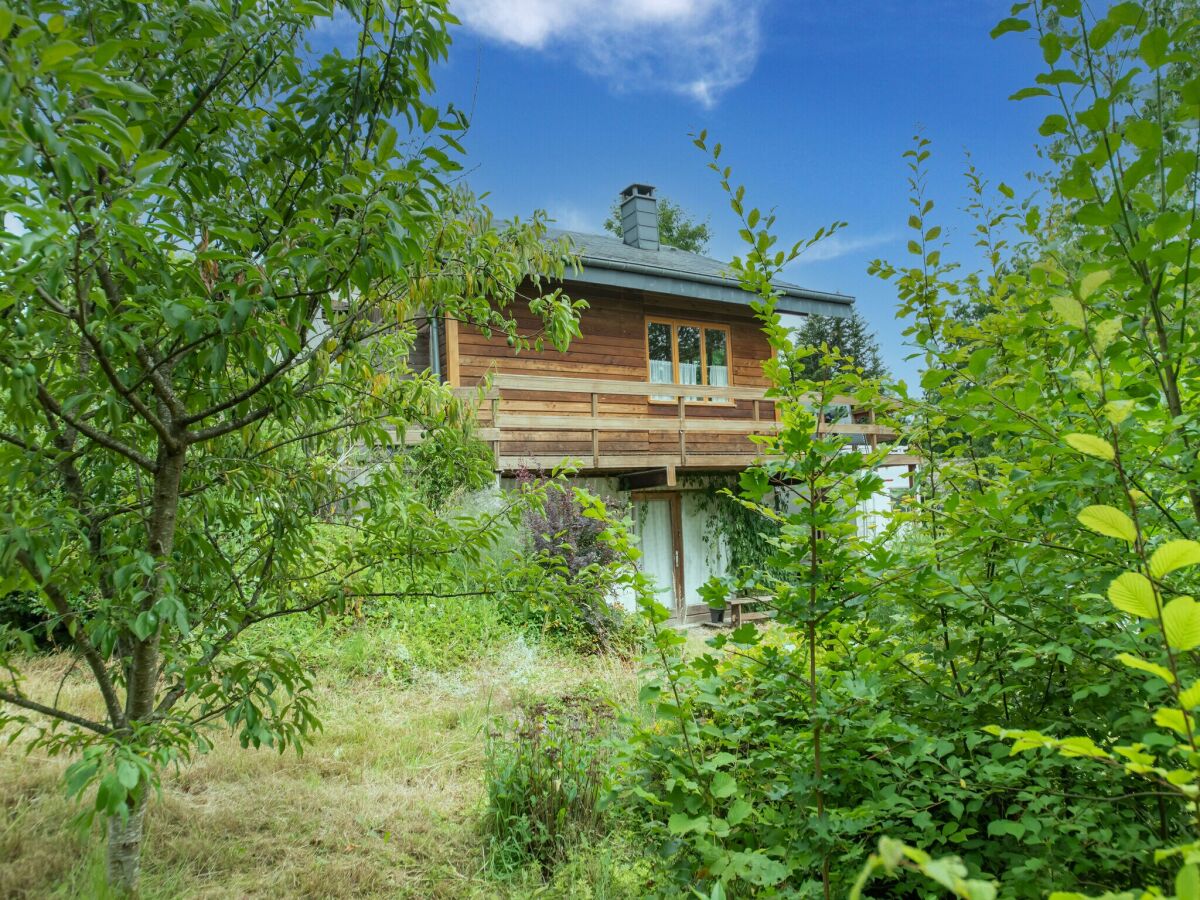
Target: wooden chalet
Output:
[{"x": 665, "y": 382}]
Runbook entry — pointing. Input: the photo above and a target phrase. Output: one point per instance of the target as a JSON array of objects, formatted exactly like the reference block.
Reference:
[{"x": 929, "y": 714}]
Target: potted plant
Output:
[{"x": 713, "y": 592}]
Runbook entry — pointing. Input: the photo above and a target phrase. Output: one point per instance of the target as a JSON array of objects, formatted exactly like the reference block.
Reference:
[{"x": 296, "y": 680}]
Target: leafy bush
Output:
[
  {"x": 546, "y": 773},
  {"x": 561, "y": 528},
  {"x": 564, "y": 584},
  {"x": 1049, "y": 581}
]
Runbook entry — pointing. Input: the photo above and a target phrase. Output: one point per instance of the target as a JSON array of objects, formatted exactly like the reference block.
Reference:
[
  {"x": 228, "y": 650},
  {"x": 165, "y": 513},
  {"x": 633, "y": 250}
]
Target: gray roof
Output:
[{"x": 610, "y": 261}]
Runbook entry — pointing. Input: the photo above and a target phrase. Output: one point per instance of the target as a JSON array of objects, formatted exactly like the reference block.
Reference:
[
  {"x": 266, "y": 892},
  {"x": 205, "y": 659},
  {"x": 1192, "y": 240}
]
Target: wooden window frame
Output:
[{"x": 675, "y": 325}]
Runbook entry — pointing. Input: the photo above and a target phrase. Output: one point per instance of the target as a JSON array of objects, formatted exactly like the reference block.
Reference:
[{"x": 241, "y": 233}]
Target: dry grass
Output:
[{"x": 383, "y": 804}]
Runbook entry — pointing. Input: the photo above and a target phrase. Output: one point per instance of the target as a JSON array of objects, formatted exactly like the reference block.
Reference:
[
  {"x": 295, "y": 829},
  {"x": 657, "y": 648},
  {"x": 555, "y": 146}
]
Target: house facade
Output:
[{"x": 662, "y": 391}]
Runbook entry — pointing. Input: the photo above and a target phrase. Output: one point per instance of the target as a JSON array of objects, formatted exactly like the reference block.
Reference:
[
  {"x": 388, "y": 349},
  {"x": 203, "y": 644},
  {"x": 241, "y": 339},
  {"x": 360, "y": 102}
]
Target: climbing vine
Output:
[{"x": 740, "y": 533}]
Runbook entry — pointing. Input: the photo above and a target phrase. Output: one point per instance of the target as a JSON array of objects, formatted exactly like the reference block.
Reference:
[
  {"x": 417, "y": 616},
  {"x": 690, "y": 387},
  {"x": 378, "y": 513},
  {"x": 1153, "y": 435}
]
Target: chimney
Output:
[{"x": 639, "y": 217}]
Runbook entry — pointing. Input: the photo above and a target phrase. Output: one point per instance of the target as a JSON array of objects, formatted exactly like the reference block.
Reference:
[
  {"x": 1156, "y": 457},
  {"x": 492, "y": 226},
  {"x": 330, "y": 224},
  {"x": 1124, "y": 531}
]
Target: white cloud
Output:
[
  {"x": 840, "y": 245},
  {"x": 573, "y": 217},
  {"x": 699, "y": 48}
]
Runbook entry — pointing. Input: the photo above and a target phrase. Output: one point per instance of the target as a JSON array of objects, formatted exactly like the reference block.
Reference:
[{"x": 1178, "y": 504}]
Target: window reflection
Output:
[{"x": 682, "y": 353}]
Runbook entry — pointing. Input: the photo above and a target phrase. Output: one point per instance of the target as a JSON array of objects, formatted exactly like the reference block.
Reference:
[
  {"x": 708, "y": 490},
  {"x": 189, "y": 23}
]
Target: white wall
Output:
[{"x": 873, "y": 513}]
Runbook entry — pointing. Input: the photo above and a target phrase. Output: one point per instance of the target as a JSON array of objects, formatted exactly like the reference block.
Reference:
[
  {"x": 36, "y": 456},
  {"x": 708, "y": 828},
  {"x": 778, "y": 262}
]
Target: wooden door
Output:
[{"x": 660, "y": 538}]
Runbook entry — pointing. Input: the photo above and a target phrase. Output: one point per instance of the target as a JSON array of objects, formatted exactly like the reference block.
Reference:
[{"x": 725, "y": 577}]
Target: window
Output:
[{"x": 687, "y": 353}]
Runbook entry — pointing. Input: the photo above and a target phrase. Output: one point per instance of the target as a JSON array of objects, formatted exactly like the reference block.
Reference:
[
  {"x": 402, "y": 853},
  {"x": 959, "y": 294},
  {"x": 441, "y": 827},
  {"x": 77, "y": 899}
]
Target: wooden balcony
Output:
[{"x": 631, "y": 426}]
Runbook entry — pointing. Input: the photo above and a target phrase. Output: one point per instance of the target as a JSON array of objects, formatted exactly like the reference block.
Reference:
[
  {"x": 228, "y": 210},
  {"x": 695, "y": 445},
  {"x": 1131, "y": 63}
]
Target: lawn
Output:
[{"x": 385, "y": 802}]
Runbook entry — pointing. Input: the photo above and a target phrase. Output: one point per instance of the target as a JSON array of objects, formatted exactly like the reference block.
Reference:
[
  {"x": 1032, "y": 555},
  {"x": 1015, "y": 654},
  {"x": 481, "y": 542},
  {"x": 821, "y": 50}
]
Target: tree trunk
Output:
[
  {"x": 125, "y": 846},
  {"x": 125, "y": 835}
]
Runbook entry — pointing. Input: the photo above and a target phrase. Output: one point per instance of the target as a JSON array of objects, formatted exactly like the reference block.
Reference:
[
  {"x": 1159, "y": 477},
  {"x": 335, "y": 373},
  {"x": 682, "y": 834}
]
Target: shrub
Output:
[
  {"x": 560, "y": 528},
  {"x": 546, "y": 773},
  {"x": 570, "y": 571}
]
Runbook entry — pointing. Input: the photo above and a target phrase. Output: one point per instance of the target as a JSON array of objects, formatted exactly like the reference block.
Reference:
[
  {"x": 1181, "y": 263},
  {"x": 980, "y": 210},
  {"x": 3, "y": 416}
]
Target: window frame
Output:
[{"x": 675, "y": 325}]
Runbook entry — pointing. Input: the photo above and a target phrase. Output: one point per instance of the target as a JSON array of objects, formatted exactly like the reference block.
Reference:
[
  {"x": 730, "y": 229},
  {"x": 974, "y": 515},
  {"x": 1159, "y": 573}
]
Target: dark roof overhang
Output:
[
  {"x": 610, "y": 262},
  {"x": 698, "y": 286}
]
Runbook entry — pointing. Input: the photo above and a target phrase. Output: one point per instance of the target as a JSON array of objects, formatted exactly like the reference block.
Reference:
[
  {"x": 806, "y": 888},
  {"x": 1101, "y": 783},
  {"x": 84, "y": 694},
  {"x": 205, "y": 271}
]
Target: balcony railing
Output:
[{"x": 539, "y": 421}]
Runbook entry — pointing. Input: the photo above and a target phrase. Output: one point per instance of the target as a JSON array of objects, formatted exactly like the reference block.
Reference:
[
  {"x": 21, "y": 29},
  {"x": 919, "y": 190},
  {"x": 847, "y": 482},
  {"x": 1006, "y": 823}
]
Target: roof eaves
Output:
[{"x": 701, "y": 286}]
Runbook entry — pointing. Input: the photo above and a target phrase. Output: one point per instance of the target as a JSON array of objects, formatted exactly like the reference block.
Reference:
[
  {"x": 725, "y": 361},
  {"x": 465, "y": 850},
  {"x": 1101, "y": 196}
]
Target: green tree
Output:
[
  {"x": 217, "y": 244},
  {"x": 676, "y": 228},
  {"x": 851, "y": 337}
]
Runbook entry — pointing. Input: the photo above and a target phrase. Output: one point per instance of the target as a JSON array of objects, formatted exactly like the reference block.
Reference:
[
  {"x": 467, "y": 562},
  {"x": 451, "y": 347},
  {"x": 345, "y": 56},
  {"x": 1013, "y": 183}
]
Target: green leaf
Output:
[
  {"x": 1127, "y": 13},
  {"x": 738, "y": 811},
  {"x": 127, "y": 774},
  {"x": 428, "y": 118},
  {"x": 1092, "y": 282},
  {"x": 1102, "y": 33},
  {"x": 1133, "y": 593},
  {"x": 682, "y": 823},
  {"x": 1153, "y": 47},
  {"x": 1143, "y": 665},
  {"x": 1091, "y": 446},
  {"x": 1190, "y": 697},
  {"x": 1105, "y": 333},
  {"x": 1187, "y": 883},
  {"x": 143, "y": 626},
  {"x": 1173, "y": 719},
  {"x": 6, "y": 21},
  {"x": 1080, "y": 747},
  {"x": 1004, "y": 826},
  {"x": 1181, "y": 621},
  {"x": 723, "y": 785},
  {"x": 1068, "y": 309},
  {"x": 1174, "y": 555},
  {"x": 1053, "y": 124},
  {"x": 1108, "y": 521},
  {"x": 1010, "y": 25},
  {"x": 1117, "y": 411},
  {"x": 175, "y": 314},
  {"x": 57, "y": 52}
]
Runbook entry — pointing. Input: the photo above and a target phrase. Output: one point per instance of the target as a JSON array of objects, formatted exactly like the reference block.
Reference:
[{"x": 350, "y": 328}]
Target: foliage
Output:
[
  {"x": 947, "y": 872},
  {"x": 676, "y": 228},
  {"x": 448, "y": 465},
  {"x": 566, "y": 576},
  {"x": 1071, "y": 432},
  {"x": 25, "y": 621},
  {"x": 216, "y": 246},
  {"x": 546, "y": 773},
  {"x": 396, "y": 639},
  {"x": 1021, "y": 589},
  {"x": 759, "y": 742},
  {"x": 559, "y": 527},
  {"x": 850, "y": 336},
  {"x": 740, "y": 537}
]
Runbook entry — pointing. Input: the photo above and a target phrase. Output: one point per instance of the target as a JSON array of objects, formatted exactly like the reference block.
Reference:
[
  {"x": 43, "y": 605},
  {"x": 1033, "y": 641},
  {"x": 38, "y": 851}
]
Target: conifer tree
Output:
[{"x": 851, "y": 336}]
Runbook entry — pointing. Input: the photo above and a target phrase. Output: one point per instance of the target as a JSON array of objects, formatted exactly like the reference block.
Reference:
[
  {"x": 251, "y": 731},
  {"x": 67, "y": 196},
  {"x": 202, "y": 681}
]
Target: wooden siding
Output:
[{"x": 613, "y": 348}]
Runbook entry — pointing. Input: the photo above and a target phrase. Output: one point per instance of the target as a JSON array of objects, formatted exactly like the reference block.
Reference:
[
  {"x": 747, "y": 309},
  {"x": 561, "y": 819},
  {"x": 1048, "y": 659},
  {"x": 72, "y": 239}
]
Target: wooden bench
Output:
[{"x": 738, "y": 613}]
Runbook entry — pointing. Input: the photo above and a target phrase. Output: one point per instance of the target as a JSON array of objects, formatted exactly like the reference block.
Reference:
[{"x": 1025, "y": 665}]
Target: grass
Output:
[{"x": 386, "y": 802}]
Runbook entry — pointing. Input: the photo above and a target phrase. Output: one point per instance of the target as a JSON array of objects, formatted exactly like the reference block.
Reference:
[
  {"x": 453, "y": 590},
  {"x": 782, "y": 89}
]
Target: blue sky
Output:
[{"x": 813, "y": 101}]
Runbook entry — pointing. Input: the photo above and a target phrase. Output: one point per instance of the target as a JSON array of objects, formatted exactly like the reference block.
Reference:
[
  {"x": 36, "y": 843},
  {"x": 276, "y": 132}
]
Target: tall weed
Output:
[{"x": 546, "y": 773}]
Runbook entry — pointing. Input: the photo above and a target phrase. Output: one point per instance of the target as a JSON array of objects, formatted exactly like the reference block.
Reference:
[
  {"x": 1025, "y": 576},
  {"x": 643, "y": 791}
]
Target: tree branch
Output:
[
  {"x": 94, "y": 660},
  {"x": 54, "y": 713},
  {"x": 100, "y": 437},
  {"x": 106, "y": 365}
]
